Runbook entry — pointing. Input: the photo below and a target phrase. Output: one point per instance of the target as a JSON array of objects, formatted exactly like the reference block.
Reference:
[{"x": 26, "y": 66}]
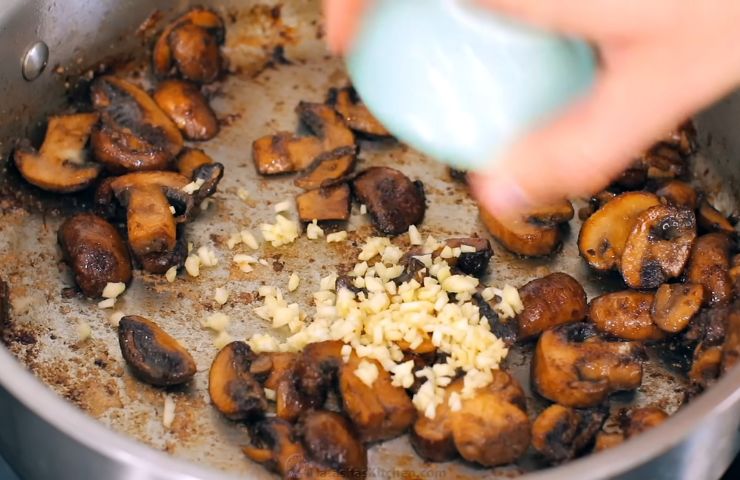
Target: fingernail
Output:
[{"x": 501, "y": 195}]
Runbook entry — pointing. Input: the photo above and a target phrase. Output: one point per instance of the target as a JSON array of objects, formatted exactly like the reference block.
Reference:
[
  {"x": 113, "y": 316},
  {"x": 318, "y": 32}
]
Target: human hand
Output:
[{"x": 661, "y": 61}]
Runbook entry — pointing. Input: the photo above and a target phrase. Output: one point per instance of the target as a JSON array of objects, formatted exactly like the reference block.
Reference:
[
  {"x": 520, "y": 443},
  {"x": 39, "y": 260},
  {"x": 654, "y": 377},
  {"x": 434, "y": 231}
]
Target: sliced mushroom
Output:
[
  {"x": 553, "y": 214},
  {"x": 709, "y": 266},
  {"x": 279, "y": 370},
  {"x": 492, "y": 428},
  {"x": 559, "y": 433},
  {"x": 506, "y": 329},
  {"x": 188, "y": 108},
  {"x": 284, "y": 153},
  {"x": 355, "y": 113},
  {"x": 679, "y": 194},
  {"x": 154, "y": 356},
  {"x": 683, "y": 138},
  {"x": 470, "y": 262},
  {"x": 633, "y": 178},
  {"x": 192, "y": 50},
  {"x": 626, "y": 315},
  {"x": 604, "y": 234},
  {"x": 711, "y": 220},
  {"x": 393, "y": 201},
  {"x": 553, "y": 300},
  {"x": 605, "y": 440},
  {"x": 233, "y": 389},
  {"x": 134, "y": 133},
  {"x": 664, "y": 161},
  {"x": 325, "y": 123},
  {"x": 675, "y": 305},
  {"x": 330, "y": 440},
  {"x": 95, "y": 251},
  {"x": 658, "y": 247},
  {"x": 324, "y": 204},
  {"x": 521, "y": 237},
  {"x": 642, "y": 419},
  {"x": 706, "y": 365},
  {"x": 575, "y": 368},
  {"x": 61, "y": 164},
  {"x": 276, "y": 445},
  {"x": 328, "y": 167},
  {"x": 190, "y": 160},
  {"x": 432, "y": 437},
  {"x": 380, "y": 412},
  {"x": 731, "y": 345}
]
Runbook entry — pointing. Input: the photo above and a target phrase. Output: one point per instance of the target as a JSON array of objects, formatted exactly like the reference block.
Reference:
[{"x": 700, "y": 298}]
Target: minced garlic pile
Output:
[{"x": 374, "y": 323}]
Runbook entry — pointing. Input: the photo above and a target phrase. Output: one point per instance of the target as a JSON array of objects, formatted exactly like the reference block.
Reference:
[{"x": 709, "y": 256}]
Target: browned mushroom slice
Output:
[
  {"x": 276, "y": 371},
  {"x": 664, "y": 161},
  {"x": 284, "y": 153},
  {"x": 505, "y": 329},
  {"x": 324, "y": 204},
  {"x": 233, "y": 389},
  {"x": 154, "y": 356},
  {"x": 196, "y": 53},
  {"x": 208, "y": 176},
  {"x": 575, "y": 368},
  {"x": 330, "y": 440},
  {"x": 642, "y": 419},
  {"x": 473, "y": 262},
  {"x": 625, "y": 315},
  {"x": 709, "y": 266},
  {"x": 559, "y": 433},
  {"x": 432, "y": 437},
  {"x": 605, "y": 441},
  {"x": 134, "y": 133},
  {"x": 549, "y": 215},
  {"x": 520, "y": 236},
  {"x": 492, "y": 428},
  {"x": 325, "y": 123},
  {"x": 633, "y": 178},
  {"x": 189, "y": 54},
  {"x": 675, "y": 305},
  {"x": 328, "y": 167},
  {"x": 275, "y": 445},
  {"x": 735, "y": 274},
  {"x": 393, "y": 201},
  {"x": 380, "y": 412},
  {"x": 95, "y": 251},
  {"x": 604, "y": 234},
  {"x": 658, "y": 246},
  {"x": 190, "y": 160},
  {"x": 683, "y": 138},
  {"x": 61, "y": 164},
  {"x": 188, "y": 108},
  {"x": 711, "y": 220},
  {"x": 316, "y": 369},
  {"x": 706, "y": 365},
  {"x": 731, "y": 345},
  {"x": 355, "y": 114},
  {"x": 272, "y": 368},
  {"x": 678, "y": 194},
  {"x": 549, "y": 301}
]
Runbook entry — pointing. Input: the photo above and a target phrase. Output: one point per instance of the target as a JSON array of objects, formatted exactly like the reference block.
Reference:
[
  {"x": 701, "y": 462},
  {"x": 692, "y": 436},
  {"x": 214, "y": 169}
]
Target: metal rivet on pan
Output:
[{"x": 35, "y": 60}]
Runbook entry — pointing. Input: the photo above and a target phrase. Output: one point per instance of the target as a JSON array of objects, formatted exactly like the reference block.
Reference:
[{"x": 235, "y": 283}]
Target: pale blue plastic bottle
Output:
[{"x": 460, "y": 82}]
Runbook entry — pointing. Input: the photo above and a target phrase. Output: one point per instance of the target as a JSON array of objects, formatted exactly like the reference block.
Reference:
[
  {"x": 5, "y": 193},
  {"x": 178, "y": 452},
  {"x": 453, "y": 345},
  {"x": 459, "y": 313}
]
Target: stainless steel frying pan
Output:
[{"x": 71, "y": 409}]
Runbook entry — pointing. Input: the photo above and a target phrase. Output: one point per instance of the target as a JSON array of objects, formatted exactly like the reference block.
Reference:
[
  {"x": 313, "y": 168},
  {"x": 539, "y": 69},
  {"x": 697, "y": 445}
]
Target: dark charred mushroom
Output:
[
  {"x": 711, "y": 220},
  {"x": 675, "y": 305},
  {"x": 276, "y": 371},
  {"x": 633, "y": 178},
  {"x": 277, "y": 446},
  {"x": 330, "y": 440},
  {"x": 679, "y": 194},
  {"x": 559, "y": 433},
  {"x": 549, "y": 301},
  {"x": 683, "y": 138},
  {"x": 626, "y": 315},
  {"x": 709, "y": 266},
  {"x": 134, "y": 133},
  {"x": 192, "y": 51},
  {"x": 604, "y": 234},
  {"x": 575, "y": 368},
  {"x": 393, "y": 201},
  {"x": 317, "y": 368},
  {"x": 490, "y": 428},
  {"x": 190, "y": 160},
  {"x": 185, "y": 105},
  {"x": 664, "y": 161},
  {"x": 233, "y": 389},
  {"x": 61, "y": 164},
  {"x": 154, "y": 356},
  {"x": 469, "y": 262},
  {"x": 95, "y": 252},
  {"x": 326, "y": 124},
  {"x": 348, "y": 104},
  {"x": 534, "y": 234},
  {"x": 328, "y": 167},
  {"x": 324, "y": 204},
  {"x": 658, "y": 247},
  {"x": 284, "y": 153}
]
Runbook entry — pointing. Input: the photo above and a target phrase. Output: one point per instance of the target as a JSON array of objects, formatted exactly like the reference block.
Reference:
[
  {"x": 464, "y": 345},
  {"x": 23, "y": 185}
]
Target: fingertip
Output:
[
  {"x": 500, "y": 194},
  {"x": 342, "y": 18}
]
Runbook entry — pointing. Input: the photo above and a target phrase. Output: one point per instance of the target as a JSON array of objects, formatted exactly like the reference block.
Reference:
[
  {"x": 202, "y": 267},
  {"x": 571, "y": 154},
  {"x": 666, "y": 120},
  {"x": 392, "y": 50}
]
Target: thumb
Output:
[{"x": 579, "y": 152}]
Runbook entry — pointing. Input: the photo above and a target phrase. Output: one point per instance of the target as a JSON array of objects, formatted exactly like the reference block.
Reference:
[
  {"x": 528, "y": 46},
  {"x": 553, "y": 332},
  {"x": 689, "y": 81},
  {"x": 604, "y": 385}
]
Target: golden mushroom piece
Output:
[
  {"x": 154, "y": 356},
  {"x": 709, "y": 266},
  {"x": 675, "y": 305},
  {"x": 552, "y": 300},
  {"x": 188, "y": 108},
  {"x": 134, "y": 133},
  {"x": 625, "y": 315},
  {"x": 559, "y": 433},
  {"x": 348, "y": 104},
  {"x": 233, "y": 389},
  {"x": 574, "y": 367},
  {"x": 61, "y": 164},
  {"x": 393, "y": 201}
]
